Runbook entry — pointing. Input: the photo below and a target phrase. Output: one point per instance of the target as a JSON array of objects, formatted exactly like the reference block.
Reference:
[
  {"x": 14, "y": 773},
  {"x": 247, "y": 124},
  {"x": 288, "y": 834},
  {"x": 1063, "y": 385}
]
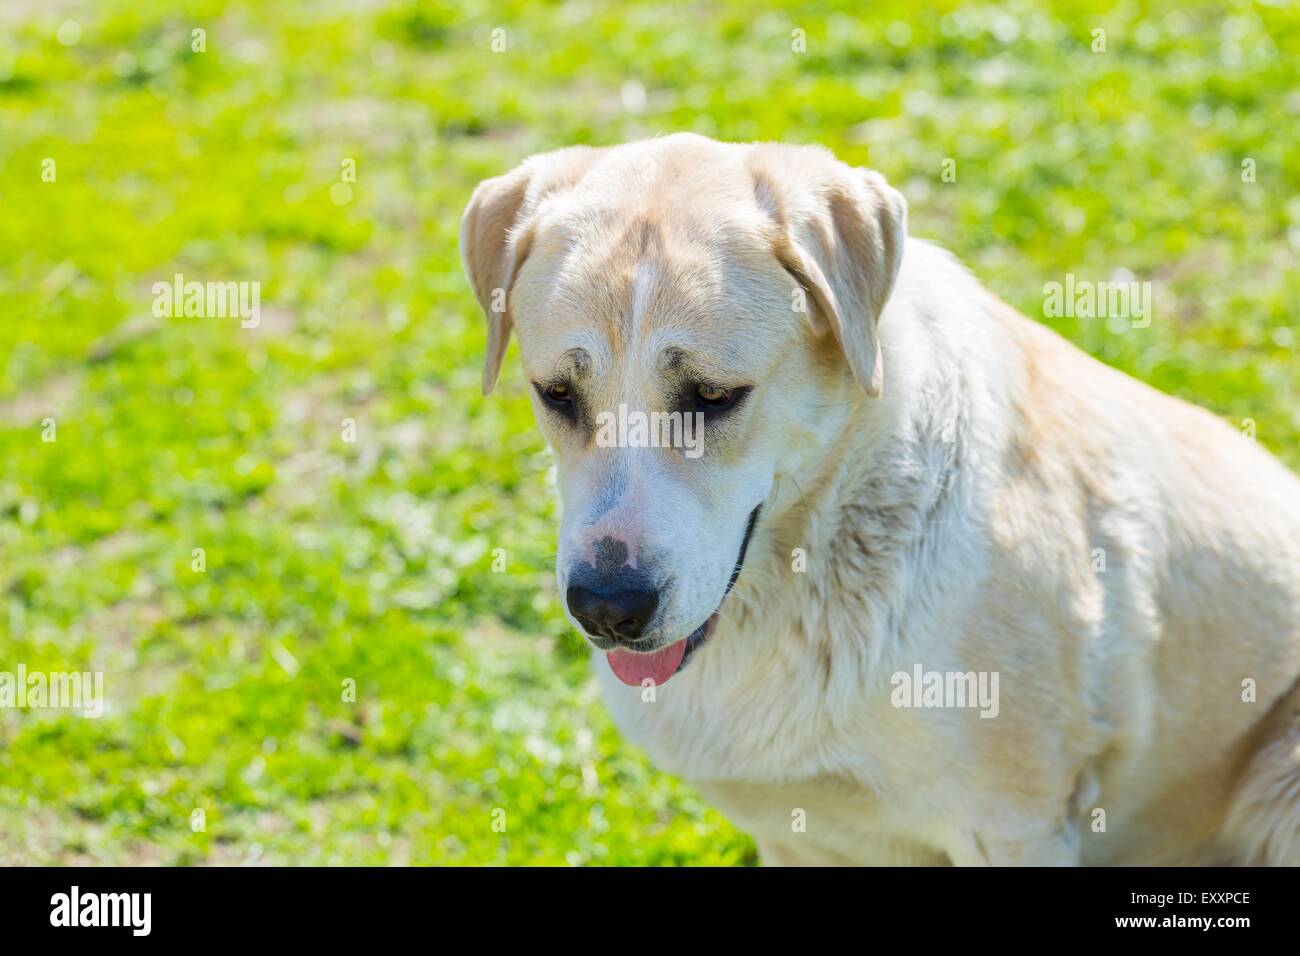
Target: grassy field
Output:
[{"x": 327, "y": 561}]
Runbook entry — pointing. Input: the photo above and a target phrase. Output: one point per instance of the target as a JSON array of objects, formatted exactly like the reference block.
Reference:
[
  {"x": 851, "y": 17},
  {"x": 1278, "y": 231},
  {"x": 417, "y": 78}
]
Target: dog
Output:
[{"x": 901, "y": 481}]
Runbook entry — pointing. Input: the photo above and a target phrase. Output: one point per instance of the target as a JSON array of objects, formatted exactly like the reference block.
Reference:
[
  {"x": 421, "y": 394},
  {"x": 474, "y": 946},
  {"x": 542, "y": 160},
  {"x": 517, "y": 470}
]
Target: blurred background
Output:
[{"x": 325, "y": 150}]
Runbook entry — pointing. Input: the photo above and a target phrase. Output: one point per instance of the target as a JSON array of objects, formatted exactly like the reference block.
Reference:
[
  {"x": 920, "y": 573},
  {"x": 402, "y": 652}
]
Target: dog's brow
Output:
[
  {"x": 680, "y": 356},
  {"x": 568, "y": 367},
  {"x": 673, "y": 348},
  {"x": 577, "y": 359}
]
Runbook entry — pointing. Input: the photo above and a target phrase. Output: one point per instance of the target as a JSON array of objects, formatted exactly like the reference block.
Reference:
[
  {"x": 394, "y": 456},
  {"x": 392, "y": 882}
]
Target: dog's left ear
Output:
[
  {"x": 839, "y": 231},
  {"x": 496, "y": 233}
]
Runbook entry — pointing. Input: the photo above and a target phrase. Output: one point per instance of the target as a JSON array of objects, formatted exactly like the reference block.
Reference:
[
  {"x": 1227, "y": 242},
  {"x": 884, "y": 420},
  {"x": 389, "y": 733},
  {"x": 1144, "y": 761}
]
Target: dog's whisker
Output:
[
  {"x": 757, "y": 608},
  {"x": 803, "y": 500}
]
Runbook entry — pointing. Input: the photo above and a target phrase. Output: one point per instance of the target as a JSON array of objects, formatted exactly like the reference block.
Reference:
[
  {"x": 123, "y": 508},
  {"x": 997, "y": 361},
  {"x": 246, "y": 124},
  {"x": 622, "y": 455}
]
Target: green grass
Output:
[{"x": 372, "y": 561}]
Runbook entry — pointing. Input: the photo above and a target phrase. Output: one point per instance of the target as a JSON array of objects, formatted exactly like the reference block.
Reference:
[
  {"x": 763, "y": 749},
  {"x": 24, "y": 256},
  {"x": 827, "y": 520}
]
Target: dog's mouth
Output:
[{"x": 658, "y": 666}]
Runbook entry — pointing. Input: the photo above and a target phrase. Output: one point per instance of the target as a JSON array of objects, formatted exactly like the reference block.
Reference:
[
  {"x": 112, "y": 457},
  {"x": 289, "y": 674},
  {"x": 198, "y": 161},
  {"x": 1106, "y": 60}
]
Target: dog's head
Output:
[{"x": 693, "y": 316}]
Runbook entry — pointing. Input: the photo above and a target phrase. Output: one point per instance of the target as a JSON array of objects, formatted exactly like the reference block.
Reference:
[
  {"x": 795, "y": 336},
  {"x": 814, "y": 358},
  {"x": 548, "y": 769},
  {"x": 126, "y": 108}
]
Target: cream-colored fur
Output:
[{"x": 951, "y": 476}]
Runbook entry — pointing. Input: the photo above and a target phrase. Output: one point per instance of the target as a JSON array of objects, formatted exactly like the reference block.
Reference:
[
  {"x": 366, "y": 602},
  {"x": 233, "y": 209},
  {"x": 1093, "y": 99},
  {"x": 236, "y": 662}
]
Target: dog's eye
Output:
[
  {"x": 710, "y": 396},
  {"x": 558, "y": 397}
]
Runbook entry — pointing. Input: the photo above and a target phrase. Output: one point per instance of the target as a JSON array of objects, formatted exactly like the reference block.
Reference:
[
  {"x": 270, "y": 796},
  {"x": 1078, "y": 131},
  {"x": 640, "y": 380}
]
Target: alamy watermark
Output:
[
  {"x": 1082, "y": 299},
  {"x": 208, "y": 300},
  {"x": 944, "y": 689},
  {"x": 636, "y": 429},
  {"x": 133, "y": 911},
  {"x": 34, "y": 690}
]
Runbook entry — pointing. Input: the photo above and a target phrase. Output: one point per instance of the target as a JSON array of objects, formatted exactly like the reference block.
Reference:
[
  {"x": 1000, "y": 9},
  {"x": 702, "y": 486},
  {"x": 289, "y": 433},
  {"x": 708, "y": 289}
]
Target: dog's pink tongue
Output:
[{"x": 635, "y": 669}]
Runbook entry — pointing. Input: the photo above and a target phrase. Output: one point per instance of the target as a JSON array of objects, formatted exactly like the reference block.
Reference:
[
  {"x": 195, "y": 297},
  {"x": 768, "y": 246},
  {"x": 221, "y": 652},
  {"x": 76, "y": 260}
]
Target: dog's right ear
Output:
[{"x": 497, "y": 230}]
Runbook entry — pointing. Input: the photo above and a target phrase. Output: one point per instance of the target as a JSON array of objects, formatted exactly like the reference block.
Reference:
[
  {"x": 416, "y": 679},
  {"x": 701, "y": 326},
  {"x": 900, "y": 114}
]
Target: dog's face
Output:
[{"x": 694, "y": 317}]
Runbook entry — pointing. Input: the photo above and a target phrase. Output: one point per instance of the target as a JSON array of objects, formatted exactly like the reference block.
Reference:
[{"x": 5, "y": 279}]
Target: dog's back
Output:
[{"x": 1185, "y": 566}]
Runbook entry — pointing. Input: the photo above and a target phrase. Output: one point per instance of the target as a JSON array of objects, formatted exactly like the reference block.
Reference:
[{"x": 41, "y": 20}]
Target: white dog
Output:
[{"x": 936, "y": 587}]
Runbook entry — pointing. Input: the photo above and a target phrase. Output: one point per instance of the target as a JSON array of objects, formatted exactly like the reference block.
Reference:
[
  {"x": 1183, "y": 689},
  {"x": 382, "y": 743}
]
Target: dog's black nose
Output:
[{"x": 618, "y": 614}]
